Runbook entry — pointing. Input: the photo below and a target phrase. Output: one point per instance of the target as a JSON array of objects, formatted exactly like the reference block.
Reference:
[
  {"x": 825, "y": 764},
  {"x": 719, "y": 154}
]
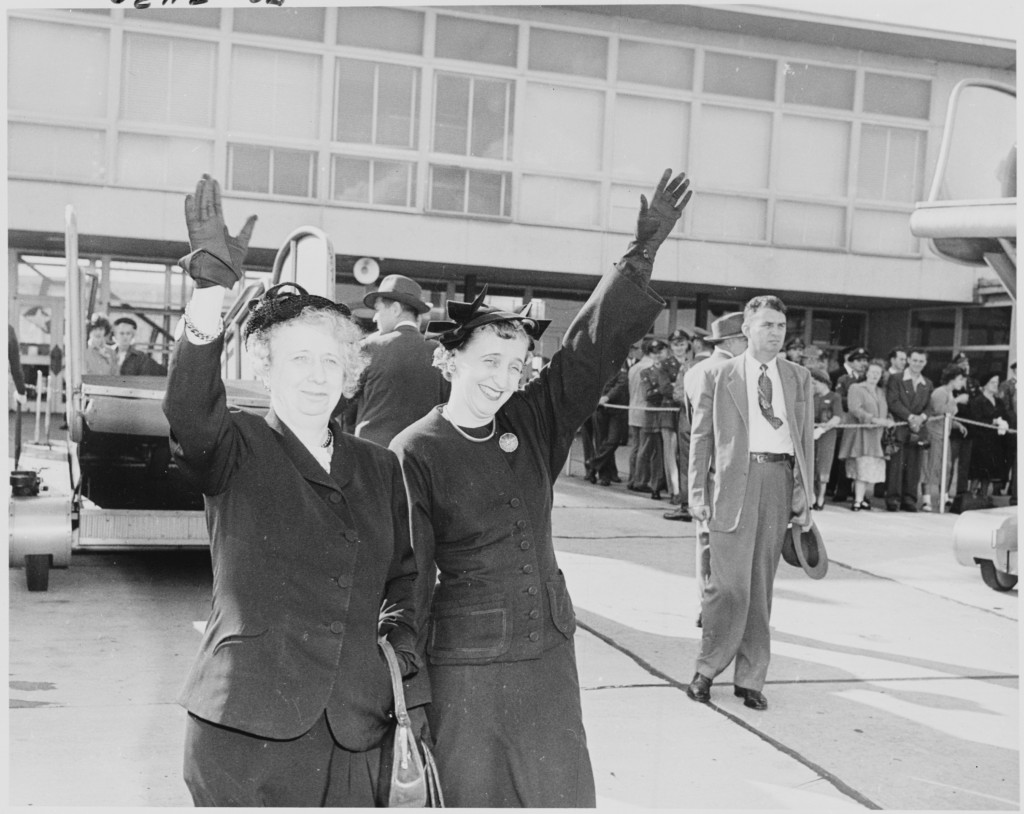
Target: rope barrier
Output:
[{"x": 857, "y": 426}]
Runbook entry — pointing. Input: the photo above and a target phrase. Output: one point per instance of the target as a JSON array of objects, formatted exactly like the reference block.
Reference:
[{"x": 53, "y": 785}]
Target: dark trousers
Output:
[
  {"x": 639, "y": 469},
  {"x": 591, "y": 438},
  {"x": 611, "y": 429},
  {"x": 225, "y": 767},
  {"x": 651, "y": 451},
  {"x": 903, "y": 476}
]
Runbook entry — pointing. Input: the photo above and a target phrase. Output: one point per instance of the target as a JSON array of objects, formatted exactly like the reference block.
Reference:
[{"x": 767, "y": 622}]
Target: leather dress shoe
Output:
[
  {"x": 605, "y": 482},
  {"x": 590, "y": 477},
  {"x": 682, "y": 513},
  {"x": 908, "y": 507},
  {"x": 700, "y": 688},
  {"x": 751, "y": 698}
]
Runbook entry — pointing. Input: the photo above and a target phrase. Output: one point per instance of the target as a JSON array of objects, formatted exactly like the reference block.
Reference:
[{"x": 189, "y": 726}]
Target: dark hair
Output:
[
  {"x": 98, "y": 322},
  {"x": 796, "y": 340},
  {"x": 912, "y": 351},
  {"x": 127, "y": 321},
  {"x": 896, "y": 352},
  {"x": 950, "y": 372},
  {"x": 763, "y": 301}
]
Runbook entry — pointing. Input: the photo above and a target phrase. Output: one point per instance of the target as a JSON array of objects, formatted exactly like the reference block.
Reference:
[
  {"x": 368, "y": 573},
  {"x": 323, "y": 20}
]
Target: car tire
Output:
[{"x": 995, "y": 579}]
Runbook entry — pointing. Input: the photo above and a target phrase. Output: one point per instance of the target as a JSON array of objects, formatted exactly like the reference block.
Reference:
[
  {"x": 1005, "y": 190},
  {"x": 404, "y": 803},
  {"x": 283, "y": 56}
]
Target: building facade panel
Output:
[{"x": 498, "y": 143}]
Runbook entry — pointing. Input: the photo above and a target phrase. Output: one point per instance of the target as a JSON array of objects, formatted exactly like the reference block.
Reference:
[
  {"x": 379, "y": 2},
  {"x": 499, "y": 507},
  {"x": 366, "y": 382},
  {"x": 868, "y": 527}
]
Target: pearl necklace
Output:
[
  {"x": 329, "y": 441},
  {"x": 464, "y": 434}
]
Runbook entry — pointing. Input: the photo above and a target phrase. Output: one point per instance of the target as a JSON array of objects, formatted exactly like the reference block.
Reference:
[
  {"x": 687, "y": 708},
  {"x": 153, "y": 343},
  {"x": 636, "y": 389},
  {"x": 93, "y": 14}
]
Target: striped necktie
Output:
[{"x": 764, "y": 398}]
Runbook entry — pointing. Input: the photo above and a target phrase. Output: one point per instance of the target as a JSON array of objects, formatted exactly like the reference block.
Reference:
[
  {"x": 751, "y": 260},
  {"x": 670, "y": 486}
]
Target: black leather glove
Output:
[
  {"x": 658, "y": 218},
  {"x": 216, "y": 257}
]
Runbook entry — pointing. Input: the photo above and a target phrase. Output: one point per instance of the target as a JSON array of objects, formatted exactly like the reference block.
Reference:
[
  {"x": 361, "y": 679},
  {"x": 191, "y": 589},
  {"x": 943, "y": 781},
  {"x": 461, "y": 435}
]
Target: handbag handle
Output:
[{"x": 401, "y": 713}]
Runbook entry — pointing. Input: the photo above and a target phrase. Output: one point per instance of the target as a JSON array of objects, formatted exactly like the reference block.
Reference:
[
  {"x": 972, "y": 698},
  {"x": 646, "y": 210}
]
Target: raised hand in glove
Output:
[
  {"x": 658, "y": 218},
  {"x": 216, "y": 257}
]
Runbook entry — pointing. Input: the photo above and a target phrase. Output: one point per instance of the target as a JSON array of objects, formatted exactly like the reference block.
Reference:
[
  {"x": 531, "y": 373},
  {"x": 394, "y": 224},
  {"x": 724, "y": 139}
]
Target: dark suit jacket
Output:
[
  {"x": 400, "y": 384},
  {"x": 137, "y": 363},
  {"x": 905, "y": 400},
  {"x": 720, "y": 440},
  {"x": 302, "y": 561}
]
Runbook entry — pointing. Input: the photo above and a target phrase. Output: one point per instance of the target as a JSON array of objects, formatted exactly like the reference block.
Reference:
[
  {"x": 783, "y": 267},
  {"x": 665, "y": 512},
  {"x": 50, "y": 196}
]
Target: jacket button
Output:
[
  {"x": 535, "y": 614},
  {"x": 335, "y": 497},
  {"x": 532, "y": 590},
  {"x": 514, "y": 503},
  {"x": 337, "y": 627},
  {"x": 525, "y": 544},
  {"x": 520, "y": 524},
  {"x": 534, "y": 636},
  {"x": 527, "y": 569}
]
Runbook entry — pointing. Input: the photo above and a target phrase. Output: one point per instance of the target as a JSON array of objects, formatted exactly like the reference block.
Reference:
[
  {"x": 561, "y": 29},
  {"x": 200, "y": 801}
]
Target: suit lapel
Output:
[
  {"x": 789, "y": 388},
  {"x": 304, "y": 462},
  {"x": 737, "y": 387}
]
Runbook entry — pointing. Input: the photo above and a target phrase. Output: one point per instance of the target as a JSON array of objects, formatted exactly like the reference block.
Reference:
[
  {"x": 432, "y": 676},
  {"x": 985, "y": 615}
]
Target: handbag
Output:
[{"x": 410, "y": 764}]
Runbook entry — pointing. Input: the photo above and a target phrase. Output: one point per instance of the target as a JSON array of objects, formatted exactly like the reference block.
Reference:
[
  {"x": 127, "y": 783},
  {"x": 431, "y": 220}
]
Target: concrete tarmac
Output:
[{"x": 894, "y": 681}]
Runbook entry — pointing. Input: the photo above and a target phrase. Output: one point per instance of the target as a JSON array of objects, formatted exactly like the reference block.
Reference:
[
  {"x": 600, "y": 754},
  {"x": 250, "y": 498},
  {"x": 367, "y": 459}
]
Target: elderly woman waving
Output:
[
  {"x": 289, "y": 696},
  {"x": 505, "y": 709}
]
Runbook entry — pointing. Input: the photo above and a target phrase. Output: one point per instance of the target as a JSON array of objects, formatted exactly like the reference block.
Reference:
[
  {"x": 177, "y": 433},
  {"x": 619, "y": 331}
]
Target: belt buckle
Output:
[{"x": 760, "y": 458}]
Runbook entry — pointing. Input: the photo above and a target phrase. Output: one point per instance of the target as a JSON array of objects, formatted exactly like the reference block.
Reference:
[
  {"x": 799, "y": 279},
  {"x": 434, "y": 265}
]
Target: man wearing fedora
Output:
[
  {"x": 751, "y": 451},
  {"x": 724, "y": 341},
  {"x": 728, "y": 340},
  {"x": 400, "y": 384}
]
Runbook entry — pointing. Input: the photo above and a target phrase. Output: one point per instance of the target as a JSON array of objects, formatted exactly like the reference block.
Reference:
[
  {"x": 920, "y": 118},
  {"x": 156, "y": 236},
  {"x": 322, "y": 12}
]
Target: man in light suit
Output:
[
  {"x": 751, "y": 456},
  {"x": 400, "y": 384}
]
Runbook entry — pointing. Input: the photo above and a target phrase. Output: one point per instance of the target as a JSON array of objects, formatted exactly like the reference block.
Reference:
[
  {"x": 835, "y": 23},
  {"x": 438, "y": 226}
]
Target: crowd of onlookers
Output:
[{"x": 880, "y": 424}]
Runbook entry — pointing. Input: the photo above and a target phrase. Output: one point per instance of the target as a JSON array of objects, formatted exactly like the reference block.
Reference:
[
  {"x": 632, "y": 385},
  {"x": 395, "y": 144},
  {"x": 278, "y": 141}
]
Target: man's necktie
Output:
[{"x": 764, "y": 398}]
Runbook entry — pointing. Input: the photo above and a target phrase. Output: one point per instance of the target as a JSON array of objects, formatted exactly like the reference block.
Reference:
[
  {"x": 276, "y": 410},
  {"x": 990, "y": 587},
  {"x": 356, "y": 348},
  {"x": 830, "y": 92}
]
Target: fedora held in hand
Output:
[
  {"x": 412, "y": 773},
  {"x": 216, "y": 257},
  {"x": 658, "y": 218}
]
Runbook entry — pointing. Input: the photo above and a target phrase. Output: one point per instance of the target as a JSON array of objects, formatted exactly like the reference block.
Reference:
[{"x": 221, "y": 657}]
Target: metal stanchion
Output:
[
  {"x": 947, "y": 424},
  {"x": 39, "y": 403},
  {"x": 49, "y": 406}
]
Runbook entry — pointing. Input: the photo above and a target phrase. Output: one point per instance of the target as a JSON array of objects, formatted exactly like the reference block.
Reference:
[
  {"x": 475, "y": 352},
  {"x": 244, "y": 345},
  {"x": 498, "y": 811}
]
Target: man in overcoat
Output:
[
  {"x": 728, "y": 341},
  {"x": 400, "y": 384},
  {"x": 751, "y": 475}
]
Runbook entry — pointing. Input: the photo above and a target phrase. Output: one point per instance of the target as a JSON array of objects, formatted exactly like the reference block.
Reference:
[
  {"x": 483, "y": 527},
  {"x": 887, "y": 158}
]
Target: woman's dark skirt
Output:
[{"x": 510, "y": 734}]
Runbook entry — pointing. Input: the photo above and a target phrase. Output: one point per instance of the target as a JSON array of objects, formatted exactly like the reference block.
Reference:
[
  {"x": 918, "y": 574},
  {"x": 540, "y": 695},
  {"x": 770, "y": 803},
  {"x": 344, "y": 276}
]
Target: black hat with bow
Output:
[{"x": 465, "y": 317}]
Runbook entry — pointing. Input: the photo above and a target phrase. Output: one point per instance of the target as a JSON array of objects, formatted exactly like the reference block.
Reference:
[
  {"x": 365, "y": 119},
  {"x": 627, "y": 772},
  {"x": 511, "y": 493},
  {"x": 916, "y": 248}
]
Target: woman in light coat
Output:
[{"x": 862, "y": 448}]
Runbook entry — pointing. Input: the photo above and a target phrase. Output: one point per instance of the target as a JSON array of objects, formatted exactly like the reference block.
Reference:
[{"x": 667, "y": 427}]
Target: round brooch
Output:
[{"x": 508, "y": 442}]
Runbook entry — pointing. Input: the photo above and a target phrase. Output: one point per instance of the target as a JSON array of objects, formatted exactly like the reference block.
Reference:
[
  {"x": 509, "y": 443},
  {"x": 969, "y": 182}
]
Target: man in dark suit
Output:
[
  {"x": 612, "y": 429},
  {"x": 909, "y": 400},
  {"x": 751, "y": 475},
  {"x": 131, "y": 362},
  {"x": 400, "y": 384}
]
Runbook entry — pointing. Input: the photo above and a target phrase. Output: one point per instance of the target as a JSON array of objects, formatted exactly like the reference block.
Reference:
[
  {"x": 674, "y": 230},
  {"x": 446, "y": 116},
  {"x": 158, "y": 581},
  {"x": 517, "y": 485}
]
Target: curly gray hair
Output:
[{"x": 345, "y": 331}]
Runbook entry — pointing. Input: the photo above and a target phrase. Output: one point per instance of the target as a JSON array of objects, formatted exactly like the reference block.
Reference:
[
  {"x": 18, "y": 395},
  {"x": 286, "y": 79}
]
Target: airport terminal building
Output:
[{"x": 505, "y": 145}]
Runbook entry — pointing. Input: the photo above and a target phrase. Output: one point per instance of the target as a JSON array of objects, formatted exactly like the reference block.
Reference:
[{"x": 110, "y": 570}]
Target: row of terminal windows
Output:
[{"x": 527, "y": 148}]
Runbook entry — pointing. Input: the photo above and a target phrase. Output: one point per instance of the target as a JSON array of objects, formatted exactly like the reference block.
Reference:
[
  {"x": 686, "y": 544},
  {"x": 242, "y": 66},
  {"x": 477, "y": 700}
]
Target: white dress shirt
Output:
[{"x": 763, "y": 437}]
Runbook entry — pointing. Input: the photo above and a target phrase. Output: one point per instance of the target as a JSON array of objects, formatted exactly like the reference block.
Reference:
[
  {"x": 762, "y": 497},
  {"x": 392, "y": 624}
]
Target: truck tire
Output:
[
  {"x": 37, "y": 571},
  {"x": 995, "y": 579}
]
